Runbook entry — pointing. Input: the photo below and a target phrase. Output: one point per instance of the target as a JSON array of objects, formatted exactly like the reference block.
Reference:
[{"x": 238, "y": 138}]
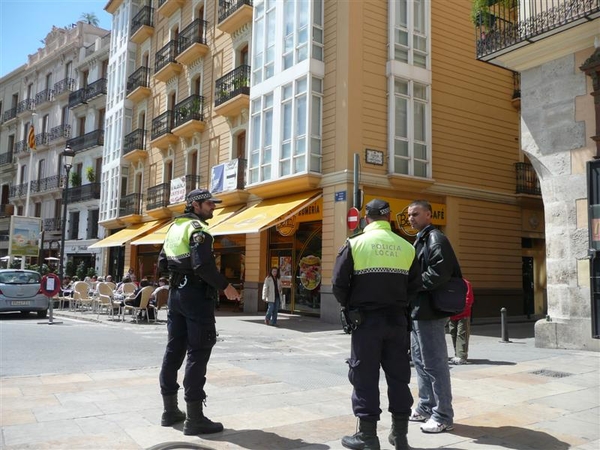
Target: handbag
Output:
[{"x": 451, "y": 297}]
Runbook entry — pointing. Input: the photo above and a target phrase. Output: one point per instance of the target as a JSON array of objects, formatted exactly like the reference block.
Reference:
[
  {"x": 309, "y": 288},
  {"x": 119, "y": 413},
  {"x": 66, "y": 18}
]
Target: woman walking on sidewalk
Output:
[{"x": 272, "y": 294}]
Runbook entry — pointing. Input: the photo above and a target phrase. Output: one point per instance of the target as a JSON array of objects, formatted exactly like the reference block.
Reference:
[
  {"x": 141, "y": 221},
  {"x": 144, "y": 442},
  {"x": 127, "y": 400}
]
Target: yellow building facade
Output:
[{"x": 267, "y": 103}]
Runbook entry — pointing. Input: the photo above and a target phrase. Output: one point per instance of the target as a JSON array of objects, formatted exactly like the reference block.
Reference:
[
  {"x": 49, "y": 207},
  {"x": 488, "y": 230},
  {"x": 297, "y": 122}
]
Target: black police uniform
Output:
[{"x": 193, "y": 291}]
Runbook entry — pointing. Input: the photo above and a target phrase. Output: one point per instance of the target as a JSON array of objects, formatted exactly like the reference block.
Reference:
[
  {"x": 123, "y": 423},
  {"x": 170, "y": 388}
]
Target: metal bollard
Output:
[{"x": 504, "y": 326}]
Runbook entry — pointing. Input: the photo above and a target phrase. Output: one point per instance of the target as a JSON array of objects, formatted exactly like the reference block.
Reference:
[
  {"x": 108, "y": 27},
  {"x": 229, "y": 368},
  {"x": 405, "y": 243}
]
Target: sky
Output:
[{"x": 24, "y": 23}]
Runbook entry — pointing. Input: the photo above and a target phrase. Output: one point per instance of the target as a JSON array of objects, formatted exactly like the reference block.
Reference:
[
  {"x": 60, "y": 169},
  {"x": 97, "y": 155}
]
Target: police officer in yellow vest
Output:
[
  {"x": 375, "y": 277},
  {"x": 195, "y": 282}
]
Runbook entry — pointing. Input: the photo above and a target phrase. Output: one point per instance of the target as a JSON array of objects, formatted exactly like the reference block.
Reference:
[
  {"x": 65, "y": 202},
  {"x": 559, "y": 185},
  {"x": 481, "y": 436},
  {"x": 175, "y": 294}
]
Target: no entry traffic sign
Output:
[{"x": 353, "y": 218}]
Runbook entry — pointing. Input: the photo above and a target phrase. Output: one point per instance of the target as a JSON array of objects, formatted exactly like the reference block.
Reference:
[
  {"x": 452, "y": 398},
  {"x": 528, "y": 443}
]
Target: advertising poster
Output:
[
  {"x": 24, "y": 236},
  {"x": 285, "y": 270},
  {"x": 177, "y": 190}
]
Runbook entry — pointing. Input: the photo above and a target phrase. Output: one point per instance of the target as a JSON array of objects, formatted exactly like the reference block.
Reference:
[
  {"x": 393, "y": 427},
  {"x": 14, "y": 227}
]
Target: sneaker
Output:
[
  {"x": 416, "y": 417},
  {"x": 458, "y": 361},
  {"x": 431, "y": 426}
]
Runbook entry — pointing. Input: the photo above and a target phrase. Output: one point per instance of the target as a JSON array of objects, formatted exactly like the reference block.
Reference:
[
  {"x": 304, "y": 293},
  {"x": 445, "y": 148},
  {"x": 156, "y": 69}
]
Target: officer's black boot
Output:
[
  {"x": 365, "y": 439},
  {"x": 398, "y": 434},
  {"x": 171, "y": 414},
  {"x": 197, "y": 423}
]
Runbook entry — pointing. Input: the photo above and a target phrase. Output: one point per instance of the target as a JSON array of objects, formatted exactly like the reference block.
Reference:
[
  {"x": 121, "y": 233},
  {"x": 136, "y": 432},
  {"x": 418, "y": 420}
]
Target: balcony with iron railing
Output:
[
  {"x": 48, "y": 184},
  {"x": 192, "y": 42},
  {"x": 234, "y": 14},
  {"x": 527, "y": 180},
  {"x": 162, "y": 126},
  {"x": 157, "y": 201},
  {"x": 9, "y": 114},
  {"x": 166, "y": 8},
  {"x": 77, "y": 98},
  {"x": 63, "y": 87},
  {"x": 189, "y": 116},
  {"x": 89, "y": 140},
  {"x": 96, "y": 89},
  {"x": 60, "y": 132},
  {"x": 503, "y": 26},
  {"x": 83, "y": 193},
  {"x": 21, "y": 148},
  {"x": 6, "y": 158},
  {"x": 166, "y": 65},
  {"x": 26, "y": 106},
  {"x": 42, "y": 140},
  {"x": 232, "y": 92},
  {"x": 138, "y": 86},
  {"x": 130, "y": 208},
  {"x": 134, "y": 146},
  {"x": 142, "y": 25},
  {"x": 192, "y": 182},
  {"x": 17, "y": 190},
  {"x": 43, "y": 97},
  {"x": 53, "y": 224}
]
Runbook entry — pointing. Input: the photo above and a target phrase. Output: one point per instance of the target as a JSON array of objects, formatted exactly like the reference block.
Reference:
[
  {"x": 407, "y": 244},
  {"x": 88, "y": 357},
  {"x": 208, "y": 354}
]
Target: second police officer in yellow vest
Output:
[
  {"x": 375, "y": 277},
  {"x": 195, "y": 283}
]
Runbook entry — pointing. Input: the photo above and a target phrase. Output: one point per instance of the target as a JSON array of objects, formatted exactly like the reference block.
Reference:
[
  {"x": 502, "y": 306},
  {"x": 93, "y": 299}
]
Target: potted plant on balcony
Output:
[
  {"x": 90, "y": 174},
  {"x": 484, "y": 13},
  {"x": 75, "y": 179}
]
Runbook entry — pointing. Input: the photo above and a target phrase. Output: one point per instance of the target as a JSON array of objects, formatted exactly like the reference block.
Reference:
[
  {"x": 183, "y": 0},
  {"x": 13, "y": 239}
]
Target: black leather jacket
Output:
[{"x": 441, "y": 264}]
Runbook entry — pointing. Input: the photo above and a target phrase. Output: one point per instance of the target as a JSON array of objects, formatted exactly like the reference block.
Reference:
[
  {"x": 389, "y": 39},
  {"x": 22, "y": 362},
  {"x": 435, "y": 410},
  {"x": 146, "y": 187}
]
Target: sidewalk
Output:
[{"x": 286, "y": 388}]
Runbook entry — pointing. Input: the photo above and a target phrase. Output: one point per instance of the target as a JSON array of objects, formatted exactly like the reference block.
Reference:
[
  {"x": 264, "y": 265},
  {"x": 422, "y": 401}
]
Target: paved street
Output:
[{"x": 286, "y": 388}]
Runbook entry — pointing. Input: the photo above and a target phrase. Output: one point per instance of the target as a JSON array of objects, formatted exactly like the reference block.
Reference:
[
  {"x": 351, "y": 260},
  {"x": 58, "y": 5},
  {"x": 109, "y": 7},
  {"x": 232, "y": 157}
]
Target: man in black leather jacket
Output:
[{"x": 428, "y": 341}]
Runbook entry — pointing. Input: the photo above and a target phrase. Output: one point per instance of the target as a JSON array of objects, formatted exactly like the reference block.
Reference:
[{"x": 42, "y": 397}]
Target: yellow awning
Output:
[
  {"x": 127, "y": 234},
  {"x": 158, "y": 236},
  {"x": 264, "y": 214}
]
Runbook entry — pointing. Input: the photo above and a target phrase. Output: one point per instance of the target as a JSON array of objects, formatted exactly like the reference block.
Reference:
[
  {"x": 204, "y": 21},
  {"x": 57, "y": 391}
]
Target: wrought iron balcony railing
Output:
[
  {"x": 95, "y": 89},
  {"x": 136, "y": 140},
  {"x": 162, "y": 124},
  {"x": 192, "y": 108},
  {"x": 88, "y": 140},
  {"x": 234, "y": 83},
  {"x": 158, "y": 196},
  {"x": 83, "y": 193},
  {"x": 44, "y": 96},
  {"x": 137, "y": 79},
  {"x": 195, "y": 32},
  {"x": 227, "y": 8},
  {"x": 145, "y": 16},
  {"x": 26, "y": 105},
  {"x": 165, "y": 55},
  {"x": 6, "y": 158},
  {"x": 60, "y": 132},
  {"x": 64, "y": 85},
  {"x": 54, "y": 224},
  {"x": 18, "y": 190},
  {"x": 527, "y": 180},
  {"x": 42, "y": 139},
  {"x": 77, "y": 98},
  {"x": 48, "y": 183},
  {"x": 21, "y": 147},
  {"x": 131, "y": 205},
  {"x": 9, "y": 114},
  {"x": 502, "y": 24},
  {"x": 192, "y": 182}
]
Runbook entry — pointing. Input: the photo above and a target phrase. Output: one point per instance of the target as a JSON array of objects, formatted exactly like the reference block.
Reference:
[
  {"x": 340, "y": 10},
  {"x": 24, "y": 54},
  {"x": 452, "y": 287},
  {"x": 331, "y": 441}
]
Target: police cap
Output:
[
  {"x": 377, "y": 208},
  {"x": 201, "y": 195}
]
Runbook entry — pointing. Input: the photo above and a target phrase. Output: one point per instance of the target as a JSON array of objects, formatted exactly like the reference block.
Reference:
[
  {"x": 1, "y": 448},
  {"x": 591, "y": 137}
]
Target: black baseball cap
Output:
[
  {"x": 201, "y": 195},
  {"x": 377, "y": 207}
]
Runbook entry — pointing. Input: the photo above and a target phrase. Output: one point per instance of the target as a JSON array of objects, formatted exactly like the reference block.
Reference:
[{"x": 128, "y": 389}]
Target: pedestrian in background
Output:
[
  {"x": 375, "y": 278},
  {"x": 272, "y": 294},
  {"x": 428, "y": 339},
  {"x": 460, "y": 329},
  {"x": 187, "y": 254}
]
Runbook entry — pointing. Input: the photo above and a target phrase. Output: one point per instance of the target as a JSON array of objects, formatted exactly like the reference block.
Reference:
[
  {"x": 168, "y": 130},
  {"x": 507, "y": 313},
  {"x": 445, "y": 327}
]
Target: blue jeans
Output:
[
  {"x": 430, "y": 357},
  {"x": 272, "y": 312}
]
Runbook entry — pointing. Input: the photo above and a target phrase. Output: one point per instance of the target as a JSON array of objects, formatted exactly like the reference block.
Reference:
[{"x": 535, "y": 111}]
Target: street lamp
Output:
[{"x": 67, "y": 157}]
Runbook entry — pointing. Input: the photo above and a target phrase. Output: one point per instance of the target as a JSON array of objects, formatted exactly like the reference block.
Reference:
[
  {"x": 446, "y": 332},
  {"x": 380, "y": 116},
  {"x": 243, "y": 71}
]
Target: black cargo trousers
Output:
[
  {"x": 191, "y": 328},
  {"x": 383, "y": 340}
]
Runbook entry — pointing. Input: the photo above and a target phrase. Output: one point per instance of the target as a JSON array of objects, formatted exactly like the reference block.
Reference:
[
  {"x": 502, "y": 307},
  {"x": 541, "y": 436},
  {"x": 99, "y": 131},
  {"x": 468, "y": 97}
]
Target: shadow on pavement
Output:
[
  {"x": 262, "y": 440},
  {"x": 520, "y": 330},
  {"x": 301, "y": 324},
  {"x": 510, "y": 437},
  {"x": 488, "y": 362}
]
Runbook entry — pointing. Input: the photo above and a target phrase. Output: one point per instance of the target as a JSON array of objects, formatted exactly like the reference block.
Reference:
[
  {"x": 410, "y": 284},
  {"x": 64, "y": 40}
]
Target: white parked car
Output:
[{"x": 20, "y": 291}]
